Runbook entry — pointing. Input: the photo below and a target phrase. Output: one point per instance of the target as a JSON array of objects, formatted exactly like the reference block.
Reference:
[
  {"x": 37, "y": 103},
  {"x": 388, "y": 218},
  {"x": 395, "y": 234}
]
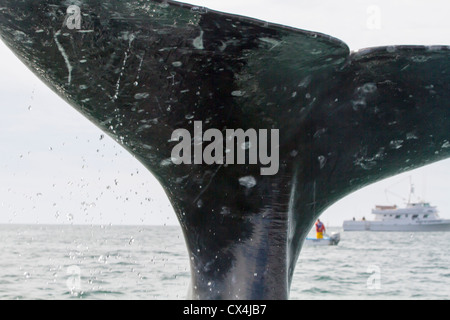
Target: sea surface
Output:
[{"x": 144, "y": 262}]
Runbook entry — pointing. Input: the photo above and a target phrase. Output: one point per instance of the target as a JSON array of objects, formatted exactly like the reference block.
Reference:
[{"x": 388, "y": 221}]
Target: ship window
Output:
[
  {"x": 415, "y": 216},
  {"x": 425, "y": 216},
  {"x": 397, "y": 217}
]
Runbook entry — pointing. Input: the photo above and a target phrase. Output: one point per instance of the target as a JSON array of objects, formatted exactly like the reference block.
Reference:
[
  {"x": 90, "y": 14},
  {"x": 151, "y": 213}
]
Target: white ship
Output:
[{"x": 416, "y": 217}]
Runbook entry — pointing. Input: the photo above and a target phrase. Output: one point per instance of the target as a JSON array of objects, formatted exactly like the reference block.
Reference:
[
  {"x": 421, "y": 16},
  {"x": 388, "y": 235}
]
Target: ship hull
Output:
[{"x": 380, "y": 226}]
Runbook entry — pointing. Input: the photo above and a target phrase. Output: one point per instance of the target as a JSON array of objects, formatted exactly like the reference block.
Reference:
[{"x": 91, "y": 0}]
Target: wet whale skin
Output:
[{"x": 141, "y": 69}]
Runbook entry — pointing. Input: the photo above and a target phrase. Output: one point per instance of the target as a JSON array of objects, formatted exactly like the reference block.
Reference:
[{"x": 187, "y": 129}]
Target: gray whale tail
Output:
[{"x": 140, "y": 70}]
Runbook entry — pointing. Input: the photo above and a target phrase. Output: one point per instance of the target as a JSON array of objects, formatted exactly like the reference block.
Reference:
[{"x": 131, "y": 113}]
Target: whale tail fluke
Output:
[{"x": 141, "y": 70}]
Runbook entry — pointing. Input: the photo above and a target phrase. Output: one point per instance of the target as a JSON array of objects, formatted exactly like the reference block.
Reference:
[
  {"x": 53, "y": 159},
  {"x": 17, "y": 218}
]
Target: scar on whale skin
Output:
[{"x": 65, "y": 57}]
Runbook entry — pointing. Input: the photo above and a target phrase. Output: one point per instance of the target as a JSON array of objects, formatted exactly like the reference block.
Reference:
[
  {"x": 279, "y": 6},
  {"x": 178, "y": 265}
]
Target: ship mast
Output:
[{"x": 411, "y": 190}]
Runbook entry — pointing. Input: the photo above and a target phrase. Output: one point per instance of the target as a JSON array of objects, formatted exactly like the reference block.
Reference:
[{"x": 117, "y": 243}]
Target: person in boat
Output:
[{"x": 320, "y": 229}]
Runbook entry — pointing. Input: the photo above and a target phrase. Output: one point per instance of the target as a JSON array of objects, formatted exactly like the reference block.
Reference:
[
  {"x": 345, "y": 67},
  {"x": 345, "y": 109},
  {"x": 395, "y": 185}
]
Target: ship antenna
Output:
[{"x": 412, "y": 191}]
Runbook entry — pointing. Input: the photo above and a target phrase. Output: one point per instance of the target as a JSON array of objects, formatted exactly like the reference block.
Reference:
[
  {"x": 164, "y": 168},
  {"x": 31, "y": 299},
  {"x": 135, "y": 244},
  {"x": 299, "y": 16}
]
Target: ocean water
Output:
[{"x": 142, "y": 262}]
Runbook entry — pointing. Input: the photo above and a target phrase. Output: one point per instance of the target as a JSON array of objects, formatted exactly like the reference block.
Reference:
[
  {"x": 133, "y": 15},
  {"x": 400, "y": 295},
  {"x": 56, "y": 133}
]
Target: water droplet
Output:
[
  {"x": 140, "y": 96},
  {"x": 411, "y": 136},
  {"x": 246, "y": 145},
  {"x": 198, "y": 42},
  {"x": 322, "y": 161},
  {"x": 248, "y": 182},
  {"x": 166, "y": 162},
  {"x": 396, "y": 144},
  {"x": 369, "y": 87},
  {"x": 391, "y": 49},
  {"x": 319, "y": 133},
  {"x": 420, "y": 59},
  {"x": 238, "y": 93}
]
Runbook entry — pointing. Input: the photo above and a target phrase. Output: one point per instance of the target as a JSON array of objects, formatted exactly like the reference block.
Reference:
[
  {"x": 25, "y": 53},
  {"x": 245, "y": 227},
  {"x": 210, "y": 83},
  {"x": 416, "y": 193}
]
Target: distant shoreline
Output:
[
  {"x": 101, "y": 225},
  {"x": 84, "y": 225}
]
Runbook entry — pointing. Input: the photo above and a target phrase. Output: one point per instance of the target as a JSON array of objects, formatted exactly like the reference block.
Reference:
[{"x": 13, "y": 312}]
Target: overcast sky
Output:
[{"x": 55, "y": 167}]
